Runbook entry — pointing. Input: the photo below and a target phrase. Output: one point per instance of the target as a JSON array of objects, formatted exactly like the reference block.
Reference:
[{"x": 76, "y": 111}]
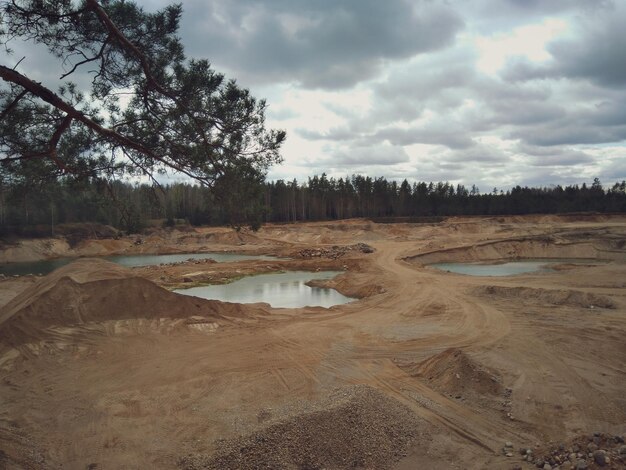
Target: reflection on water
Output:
[
  {"x": 511, "y": 268},
  {"x": 503, "y": 269},
  {"x": 149, "y": 260},
  {"x": 47, "y": 266},
  {"x": 33, "y": 267},
  {"x": 284, "y": 290}
]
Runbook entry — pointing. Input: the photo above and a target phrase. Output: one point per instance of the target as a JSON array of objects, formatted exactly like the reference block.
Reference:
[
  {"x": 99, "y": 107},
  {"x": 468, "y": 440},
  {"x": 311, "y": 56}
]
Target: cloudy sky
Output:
[
  {"x": 491, "y": 92},
  {"x": 485, "y": 92}
]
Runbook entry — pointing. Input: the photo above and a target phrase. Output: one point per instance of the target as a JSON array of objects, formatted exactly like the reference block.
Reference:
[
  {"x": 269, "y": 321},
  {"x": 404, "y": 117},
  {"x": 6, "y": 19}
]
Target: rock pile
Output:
[
  {"x": 334, "y": 252},
  {"x": 592, "y": 452},
  {"x": 363, "y": 429}
]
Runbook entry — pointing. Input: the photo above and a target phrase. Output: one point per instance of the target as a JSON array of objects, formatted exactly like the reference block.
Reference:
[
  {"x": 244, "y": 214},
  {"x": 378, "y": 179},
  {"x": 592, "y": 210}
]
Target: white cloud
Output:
[{"x": 529, "y": 42}]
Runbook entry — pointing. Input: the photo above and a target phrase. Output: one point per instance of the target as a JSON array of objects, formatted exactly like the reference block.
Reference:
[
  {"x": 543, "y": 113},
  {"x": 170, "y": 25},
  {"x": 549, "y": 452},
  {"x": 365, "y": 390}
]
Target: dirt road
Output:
[{"x": 447, "y": 368}]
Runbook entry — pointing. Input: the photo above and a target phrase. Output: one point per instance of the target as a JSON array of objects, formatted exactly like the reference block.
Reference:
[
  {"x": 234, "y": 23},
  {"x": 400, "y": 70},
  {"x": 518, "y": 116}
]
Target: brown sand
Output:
[{"x": 101, "y": 367}]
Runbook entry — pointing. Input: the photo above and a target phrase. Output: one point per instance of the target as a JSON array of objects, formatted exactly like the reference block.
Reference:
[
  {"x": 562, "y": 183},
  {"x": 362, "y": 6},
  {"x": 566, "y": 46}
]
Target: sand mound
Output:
[
  {"x": 355, "y": 286},
  {"x": 571, "y": 298},
  {"x": 454, "y": 372},
  {"x": 360, "y": 428},
  {"x": 93, "y": 290}
]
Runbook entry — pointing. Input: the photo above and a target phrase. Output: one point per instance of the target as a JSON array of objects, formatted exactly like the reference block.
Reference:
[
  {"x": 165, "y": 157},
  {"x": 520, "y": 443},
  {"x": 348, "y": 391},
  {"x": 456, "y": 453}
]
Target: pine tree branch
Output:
[
  {"x": 12, "y": 104},
  {"x": 53, "y": 99},
  {"x": 115, "y": 33}
]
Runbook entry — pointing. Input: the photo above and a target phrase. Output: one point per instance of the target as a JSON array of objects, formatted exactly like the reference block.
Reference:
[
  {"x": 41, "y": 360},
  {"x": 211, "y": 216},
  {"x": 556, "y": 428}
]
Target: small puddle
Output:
[
  {"x": 283, "y": 290},
  {"x": 511, "y": 268},
  {"x": 131, "y": 261}
]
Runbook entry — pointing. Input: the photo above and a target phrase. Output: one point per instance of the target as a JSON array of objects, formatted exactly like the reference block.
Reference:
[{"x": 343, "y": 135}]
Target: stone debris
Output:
[
  {"x": 507, "y": 450},
  {"x": 360, "y": 428},
  {"x": 190, "y": 260},
  {"x": 587, "y": 452},
  {"x": 334, "y": 252}
]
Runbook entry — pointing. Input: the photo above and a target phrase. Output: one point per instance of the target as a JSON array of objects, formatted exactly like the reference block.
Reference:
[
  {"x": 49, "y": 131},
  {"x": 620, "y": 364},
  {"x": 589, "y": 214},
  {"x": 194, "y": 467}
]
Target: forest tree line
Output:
[{"x": 27, "y": 209}]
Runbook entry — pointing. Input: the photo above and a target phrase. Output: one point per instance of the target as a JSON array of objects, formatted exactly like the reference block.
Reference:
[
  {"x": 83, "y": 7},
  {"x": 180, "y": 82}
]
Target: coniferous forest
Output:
[{"x": 29, "y": 209}]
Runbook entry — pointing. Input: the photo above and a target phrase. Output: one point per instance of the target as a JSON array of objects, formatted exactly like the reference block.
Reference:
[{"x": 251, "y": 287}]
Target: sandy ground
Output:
[{"x": 102, "y": 367}]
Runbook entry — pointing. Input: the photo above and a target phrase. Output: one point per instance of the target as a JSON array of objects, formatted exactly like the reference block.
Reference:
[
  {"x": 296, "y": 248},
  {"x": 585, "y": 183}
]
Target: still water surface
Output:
[
  {"x": 47, "y": 266},
  {"x": 283, "y": 290},
  {"x": 506, "y": 269}
]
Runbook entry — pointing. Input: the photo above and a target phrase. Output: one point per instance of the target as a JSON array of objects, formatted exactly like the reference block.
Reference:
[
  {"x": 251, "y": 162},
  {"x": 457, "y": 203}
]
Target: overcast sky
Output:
[
  {"x": 485, "y": 92},
  {"x": 491, "y": 92}
]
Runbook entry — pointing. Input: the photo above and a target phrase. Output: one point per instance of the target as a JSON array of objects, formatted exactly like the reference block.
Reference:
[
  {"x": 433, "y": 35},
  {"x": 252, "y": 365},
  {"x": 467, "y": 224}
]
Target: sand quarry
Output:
[{"x": 104, "y": 367}]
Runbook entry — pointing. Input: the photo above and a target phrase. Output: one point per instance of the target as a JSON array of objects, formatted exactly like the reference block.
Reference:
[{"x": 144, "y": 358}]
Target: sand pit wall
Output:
[
  {"x": 523, "y": 249},
  {"x": 543, "y": 297},
  {"x": 34, "y": 250}
]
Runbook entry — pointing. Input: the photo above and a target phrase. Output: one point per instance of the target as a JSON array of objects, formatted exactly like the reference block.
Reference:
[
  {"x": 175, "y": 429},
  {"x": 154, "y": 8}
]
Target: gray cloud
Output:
[
  {"x": 569, "y": 135},
  {"x": 281, "y": 113},
  {"x": 336, "y": 134},
  {"x": 525, "y": 8},
  {"x": 596, "y": 54},
  {"x": 480, "y": 154},
  {"x": 416, "y": 81},
  {"x": 396, "y": 136},
  {"x": 322, "y": 44},
  {"x": 512, "y": 104},
  {"x": 431, "y": 81},
  {"x": 548, "y": 177},
  {"x": 376, "y": 155},
  {"x": 593, "y": 123},
  {"x": 554, "y": 156},
  {"x": 489, "y": 16},
  {"x": 610, "y": 113},
  {"x": 615, "y": 168},
  {"x": 451, "y": 137},
  {"x": 356, "y": 156},
  {"x": 522, "y": 114}
]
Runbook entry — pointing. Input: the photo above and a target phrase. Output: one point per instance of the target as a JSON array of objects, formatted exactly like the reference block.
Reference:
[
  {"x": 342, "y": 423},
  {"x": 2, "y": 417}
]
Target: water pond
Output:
[
  {"x": 282, "y": 290},
  {"x": 511, "y": 268},
  {"x": 47, "y": 266}
]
